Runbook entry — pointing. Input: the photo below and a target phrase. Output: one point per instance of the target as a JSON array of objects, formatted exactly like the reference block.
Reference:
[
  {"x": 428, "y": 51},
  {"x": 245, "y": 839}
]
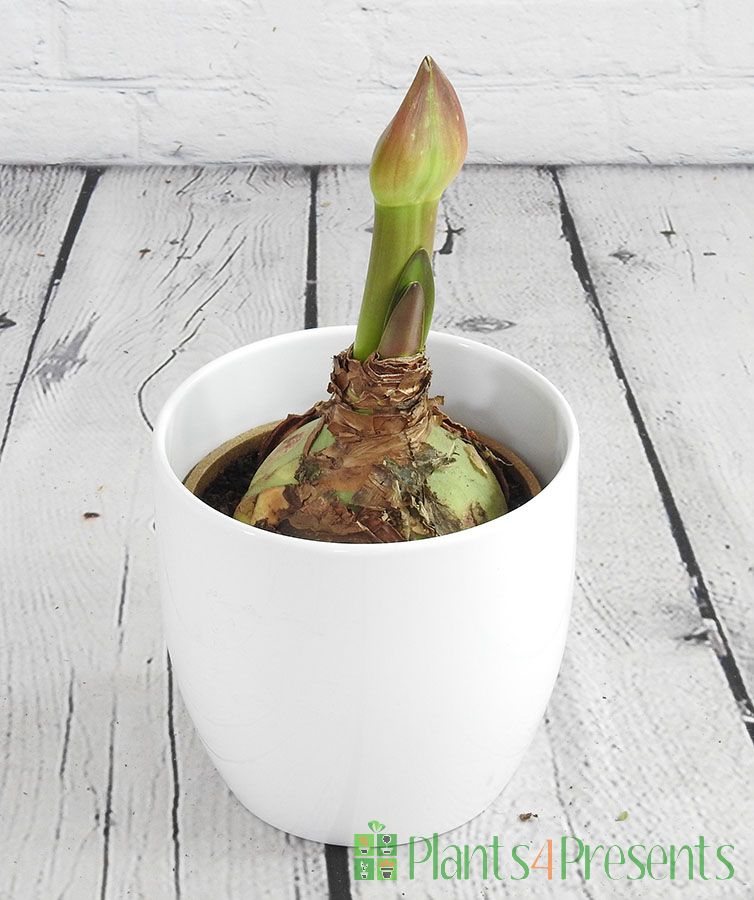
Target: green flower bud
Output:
[{"x": 423, "y": 148}]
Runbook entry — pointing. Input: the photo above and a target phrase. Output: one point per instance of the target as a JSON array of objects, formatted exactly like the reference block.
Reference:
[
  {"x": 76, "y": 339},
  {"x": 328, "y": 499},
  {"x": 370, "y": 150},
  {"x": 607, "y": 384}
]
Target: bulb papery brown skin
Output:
[{"x": 378, "y": 462}]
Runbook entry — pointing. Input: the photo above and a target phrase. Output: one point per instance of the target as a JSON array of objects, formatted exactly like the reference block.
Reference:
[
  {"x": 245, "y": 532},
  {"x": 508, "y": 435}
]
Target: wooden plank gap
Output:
[
  {"x": 338, "y": 875},
  {"x": 69, "y": 238},
  {"x": 678, "y": 530},
  {"x": 310, "y": 308}
]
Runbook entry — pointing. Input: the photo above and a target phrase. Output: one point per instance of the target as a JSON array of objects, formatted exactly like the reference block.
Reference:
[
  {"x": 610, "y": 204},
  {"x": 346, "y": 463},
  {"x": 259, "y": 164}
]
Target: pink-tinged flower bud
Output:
[{"x": 423, "y": 148}]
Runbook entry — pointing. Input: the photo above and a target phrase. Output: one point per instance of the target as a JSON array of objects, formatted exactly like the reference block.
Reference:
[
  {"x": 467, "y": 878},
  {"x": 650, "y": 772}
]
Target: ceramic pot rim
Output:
[{"x": 195, "y": 506}]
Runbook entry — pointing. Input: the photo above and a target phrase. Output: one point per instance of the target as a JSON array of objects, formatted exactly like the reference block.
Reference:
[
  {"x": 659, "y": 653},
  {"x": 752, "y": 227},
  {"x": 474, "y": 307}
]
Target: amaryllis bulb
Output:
[
  {"x": 422, "y": 149},
  {"x": 379, "y": 461}
]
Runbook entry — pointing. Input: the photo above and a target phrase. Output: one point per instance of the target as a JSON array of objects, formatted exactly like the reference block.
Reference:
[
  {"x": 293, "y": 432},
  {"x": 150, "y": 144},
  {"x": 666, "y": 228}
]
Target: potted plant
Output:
[{"x": 365, "y": 602}]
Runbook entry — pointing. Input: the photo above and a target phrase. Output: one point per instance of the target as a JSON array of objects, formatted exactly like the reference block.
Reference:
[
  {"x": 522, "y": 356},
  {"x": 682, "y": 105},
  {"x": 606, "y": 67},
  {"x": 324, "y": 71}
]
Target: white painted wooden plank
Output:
[
  {"x": 170, "y": 268},
  {"x": 671, "y": 253},
  {"x": 35, "y": 206},
  {"x": 640, "y": 719}
]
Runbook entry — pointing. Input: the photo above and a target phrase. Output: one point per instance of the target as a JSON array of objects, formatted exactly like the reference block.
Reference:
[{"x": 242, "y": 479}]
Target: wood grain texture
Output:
[
  {"x": 104, "y": 787},
  {"x": 35, "y": 206},
  {"x": 641, "y": 719},
  {"x": 105, "y": 790},
  {"x": 671, "y": 254}
]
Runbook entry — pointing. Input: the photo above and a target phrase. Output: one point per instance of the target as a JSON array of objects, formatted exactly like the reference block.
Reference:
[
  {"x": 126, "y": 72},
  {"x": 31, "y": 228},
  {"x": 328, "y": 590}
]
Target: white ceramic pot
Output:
[{"x": 333, "y": 684}]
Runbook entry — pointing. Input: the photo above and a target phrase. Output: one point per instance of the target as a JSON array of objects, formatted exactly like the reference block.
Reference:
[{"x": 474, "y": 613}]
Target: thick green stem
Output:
[{"x": 399, "y": 231}]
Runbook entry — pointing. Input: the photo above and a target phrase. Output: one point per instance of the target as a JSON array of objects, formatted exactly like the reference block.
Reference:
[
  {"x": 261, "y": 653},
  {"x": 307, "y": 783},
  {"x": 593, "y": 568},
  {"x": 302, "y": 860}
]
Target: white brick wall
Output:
[{"x": 316, "y": 80}]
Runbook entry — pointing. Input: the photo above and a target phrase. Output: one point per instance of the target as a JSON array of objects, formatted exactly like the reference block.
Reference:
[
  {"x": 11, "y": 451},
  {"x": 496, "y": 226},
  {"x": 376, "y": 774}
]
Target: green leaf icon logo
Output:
[{"x": 376, "y": 826}]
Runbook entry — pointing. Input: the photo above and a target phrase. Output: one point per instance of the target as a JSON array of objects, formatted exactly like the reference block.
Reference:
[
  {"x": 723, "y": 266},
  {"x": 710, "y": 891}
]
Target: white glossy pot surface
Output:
[{"x": 334, "y": 684}]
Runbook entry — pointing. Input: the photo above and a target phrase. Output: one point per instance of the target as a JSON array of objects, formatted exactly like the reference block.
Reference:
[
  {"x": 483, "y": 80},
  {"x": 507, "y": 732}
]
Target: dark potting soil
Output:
[
  {"x": 227, "y": 488},
  {"x": 518, "y": 489}
]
